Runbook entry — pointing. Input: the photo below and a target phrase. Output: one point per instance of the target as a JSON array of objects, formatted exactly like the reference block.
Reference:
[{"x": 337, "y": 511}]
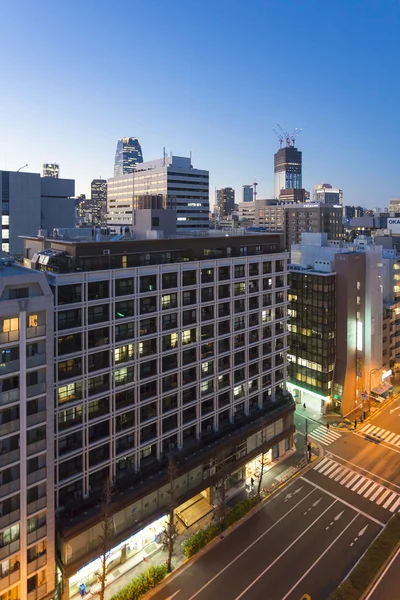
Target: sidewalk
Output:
[
  {"x": 331, "y": 418},
  {"x": 276, "y": 475}
]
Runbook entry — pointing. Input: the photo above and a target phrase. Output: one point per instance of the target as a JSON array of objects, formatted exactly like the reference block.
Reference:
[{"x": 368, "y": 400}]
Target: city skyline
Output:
[{"x": 352, "y": 124}]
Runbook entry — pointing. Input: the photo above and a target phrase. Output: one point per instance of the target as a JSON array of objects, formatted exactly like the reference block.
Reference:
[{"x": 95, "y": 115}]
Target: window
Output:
[
  {"x": 69, "y": 294},
  {"x": 169, "y": 280},
  {"x": 124, "y": 353},
  {"x": 123, "y": 287},
  {"x": 97, "y": 314},
  {"x": 124, "y": 309},
  {"x": 32, "y": 320},
  {"x": 148, "y": 283},
  {"x": 69, "y": 318},
  {"x": 189, "y": 278},
  {"x": 169, "y": 321},
  {"x": 18, "y": 293},
  {"x": 10, "y": 325},
  {"x": 169, "y": 301}
]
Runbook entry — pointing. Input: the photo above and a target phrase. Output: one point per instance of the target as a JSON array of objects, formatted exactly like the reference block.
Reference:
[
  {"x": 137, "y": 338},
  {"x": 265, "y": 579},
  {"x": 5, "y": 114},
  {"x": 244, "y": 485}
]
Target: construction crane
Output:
[
  {"x": 288, "y": 137},
  {"x": 279, "y": 136},
  {"x": 294, "y": 135}
]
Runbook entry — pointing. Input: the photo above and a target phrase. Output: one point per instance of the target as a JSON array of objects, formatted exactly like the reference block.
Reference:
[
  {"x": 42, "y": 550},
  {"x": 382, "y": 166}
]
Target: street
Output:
[
  {"x": 387, "y": 586},
  {"x": 307, "y": 539}
]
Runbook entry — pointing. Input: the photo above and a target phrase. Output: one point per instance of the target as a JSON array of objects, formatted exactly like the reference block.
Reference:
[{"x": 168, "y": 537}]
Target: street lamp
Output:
[
  {"x": 370, "y": 388},
  {"x": 23, "y": 167}
]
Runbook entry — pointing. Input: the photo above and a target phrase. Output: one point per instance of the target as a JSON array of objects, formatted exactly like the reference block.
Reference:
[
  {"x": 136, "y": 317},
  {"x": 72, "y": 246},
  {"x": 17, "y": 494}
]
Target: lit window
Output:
[
  {"x": 10, "y": 325},
  {"x": 32, "y": 321}
]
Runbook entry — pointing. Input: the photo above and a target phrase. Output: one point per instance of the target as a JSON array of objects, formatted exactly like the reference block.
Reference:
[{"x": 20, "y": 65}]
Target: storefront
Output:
[
  {"x": 313, "y": 401},
  {"x": 139, "y": 547}
]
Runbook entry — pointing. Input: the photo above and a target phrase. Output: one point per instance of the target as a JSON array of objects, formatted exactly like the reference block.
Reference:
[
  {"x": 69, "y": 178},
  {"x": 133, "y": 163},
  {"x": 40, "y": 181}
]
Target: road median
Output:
[{"x": 365, "y": 573}]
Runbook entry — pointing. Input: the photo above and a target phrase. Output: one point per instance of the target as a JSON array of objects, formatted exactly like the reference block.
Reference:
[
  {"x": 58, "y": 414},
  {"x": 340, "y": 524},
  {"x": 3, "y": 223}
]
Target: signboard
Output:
[{"x": 393, "y": 224}]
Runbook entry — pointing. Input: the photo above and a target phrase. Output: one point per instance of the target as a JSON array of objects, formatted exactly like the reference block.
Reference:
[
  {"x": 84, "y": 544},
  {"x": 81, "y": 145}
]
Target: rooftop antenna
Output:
[
  {"x": 164, "y": 156},
  {"x": 255, "y": 184}
]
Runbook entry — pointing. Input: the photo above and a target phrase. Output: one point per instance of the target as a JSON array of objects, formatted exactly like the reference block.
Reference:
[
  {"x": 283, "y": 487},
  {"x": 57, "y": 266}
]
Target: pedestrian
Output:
[
  {"x": 327, "y": 426},
  {"x": 355, "y": 423},
  {"x": 304, "y": 406},
  {"x": 252, "y": 482}
]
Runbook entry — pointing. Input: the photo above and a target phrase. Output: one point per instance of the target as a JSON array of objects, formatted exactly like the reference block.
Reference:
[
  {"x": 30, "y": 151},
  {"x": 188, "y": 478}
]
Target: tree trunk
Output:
[{"x": 260, "y": 476}]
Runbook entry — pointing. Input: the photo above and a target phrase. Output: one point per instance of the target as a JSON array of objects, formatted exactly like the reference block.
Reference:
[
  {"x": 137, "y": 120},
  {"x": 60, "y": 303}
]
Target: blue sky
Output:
[{"x": 211, "y": 77}]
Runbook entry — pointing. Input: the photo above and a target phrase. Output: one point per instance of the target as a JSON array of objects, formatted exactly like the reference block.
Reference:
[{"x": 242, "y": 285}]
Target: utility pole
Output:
[{"x": 306, "y": 442}]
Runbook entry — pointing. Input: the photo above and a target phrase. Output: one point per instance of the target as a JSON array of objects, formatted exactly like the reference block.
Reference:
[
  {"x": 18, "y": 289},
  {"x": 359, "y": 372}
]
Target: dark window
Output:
[
  {"x": 69, "y": 294},
  {"x": 69, "y": 318},
  {"x": 169, "y": 321},
  {"x": 148, "y": 283},
  {"x": 98, "y": 290},
  {"x": 207, "y": 294},
  {"x": 169, "y": 280},
  {"x": 18, "y": 293},
  {"x": 148, "y": 305},
  {"x": 124, "y": 309},
  {"x": 239, "y": 271},
  {"x": 69, "y": 368},
  {"x": 189, "y": 298},
  {"x": 123, "y": 287},
  {"x": 99, "y": 337},
  {"x": 148, "y": 326},
  {"x": 100, "y": 360},
  {"x": 207, "y": 275},
  {"x": 97, "y": 314},
  {"x": 124, "y": 331},
  {"x": 189, "y": 278},
  {"x": 69, "y": 343},
  {"x": 224, "y": 273}
]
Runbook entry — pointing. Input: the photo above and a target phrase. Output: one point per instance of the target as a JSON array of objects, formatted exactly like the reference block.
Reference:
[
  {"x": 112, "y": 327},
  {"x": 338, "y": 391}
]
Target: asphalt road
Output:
[
  {"x": 303, "y": 541},
  {"x": 388, "y": 585}
]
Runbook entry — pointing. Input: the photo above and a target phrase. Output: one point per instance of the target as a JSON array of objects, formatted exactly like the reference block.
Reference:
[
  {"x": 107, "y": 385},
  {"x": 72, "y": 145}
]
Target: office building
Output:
[
  {"x": 349, "y": 212},
  {"x": 99, "y": 200},
  {"x": 162, "y": 347},
  {"x": 169, "y": 182},
  {"x": 335, "y": 322},
  {"x": 51, "y": 170},
  {"x": 301, "y": 218},
  {"x": 294, "y": 196},
  {"x": 287, "y": 169},
  {"x": 27, "y": 536},
  {"x": 225, "y": 201},
  {"x": 324, "y": 193},
  {"x": 30, "y": 202},
  {"x": 394, "y": 205},
  {"x": 127, "y": 155},
  {"x": 248, "y": 193}
]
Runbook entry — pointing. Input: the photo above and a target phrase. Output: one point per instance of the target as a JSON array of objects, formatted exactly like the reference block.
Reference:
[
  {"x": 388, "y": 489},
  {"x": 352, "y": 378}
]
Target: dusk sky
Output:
[{"x": 211, "y": 77}]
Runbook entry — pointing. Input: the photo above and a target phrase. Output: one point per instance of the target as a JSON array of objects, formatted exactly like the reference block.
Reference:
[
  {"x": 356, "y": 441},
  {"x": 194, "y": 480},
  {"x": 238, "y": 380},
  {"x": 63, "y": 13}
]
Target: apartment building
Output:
[
  {"x": 27, "y": 560},
  {"x": 167, "y": 347}
]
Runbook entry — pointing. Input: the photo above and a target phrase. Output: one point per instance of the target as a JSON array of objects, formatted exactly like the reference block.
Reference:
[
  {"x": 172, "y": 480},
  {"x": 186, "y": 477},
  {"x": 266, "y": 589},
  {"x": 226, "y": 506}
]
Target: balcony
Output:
[
  {"x": 10, "y": 427},
  {"x": 36, "y": 447},
  {"x": 34, "y": 332},
  {"x": 36, "y": 505},
  {"x": 8, "y": 457},
  {"x": 10, "y": 578},
  {"x": 9, "y": 519},
  {"x": 36, "y": 389},
  {"x": 37, "y": 563},
  {"x": 9, "y": 336},
  {"x": 9, "y": 367},
  {"x": 36, "y": 361},
  {"x": 9, "y": 396},
  {"x": 9, "y": 488},
  {"x": 36, "y": 476},
  {"x": 37, "y": 418},
  {"x": 40, "y": 592},
  {"x": 36, "y": 535},
  {"x": 9, "y": 549}
]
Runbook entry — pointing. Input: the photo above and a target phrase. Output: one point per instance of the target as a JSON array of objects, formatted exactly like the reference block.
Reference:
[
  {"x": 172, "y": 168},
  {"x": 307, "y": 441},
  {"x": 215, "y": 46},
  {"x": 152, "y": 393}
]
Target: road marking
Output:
[
  {"x": 389, "y": 438},
  {"x": 334, "y": 520},
  {"x": 319, "y": 558},
  {"x": 356, "y": 476},
  {"x": 347, "y": 477},
  {"x": 376, "y": 494},
  {"x": 335, "y": 472},
  {"x": 326, "y": 466},
  {"x": 250, "y": 545},
  {"x": 390, "y": 500},
  {"x": 365, "y": 470},
  {"x": 360, "y": 533},
  {"x": 325, "y": 436},
  {"x": 394, "y": 409},
  {"x": 364, "y": 487},
  {"x": 382, "y": 575},
  {"x": 331, "y": 468},
  {"x": 288, "y": 496},
  {"x": 284, "y": 552},
  {"x": 362, "y": 480},
  {"x": 173, "y": 595},
  {"x": 342, "y": 473},
  {"x": 324, "y": 461},
  {"x": 357, "y": 510},
  {"x": 369, "y": 492},
  {"x": 380, "y": 435},
  {"x": 313, "y": 506},
  {"x": 381, "y": 499},
  {"x": 395, "y": 505},
  {"x": 396, "y": 439}
]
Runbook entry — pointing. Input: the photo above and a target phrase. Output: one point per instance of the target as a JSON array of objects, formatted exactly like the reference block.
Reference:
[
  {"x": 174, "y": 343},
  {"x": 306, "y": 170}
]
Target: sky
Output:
[{"x": 211, "y": 77}]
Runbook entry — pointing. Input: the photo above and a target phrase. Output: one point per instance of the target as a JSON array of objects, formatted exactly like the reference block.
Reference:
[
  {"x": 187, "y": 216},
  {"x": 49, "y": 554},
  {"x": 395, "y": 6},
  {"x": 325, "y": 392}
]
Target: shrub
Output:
[
  {"x": 141, "y": 584},
  {"x": 238, "y": 511}
]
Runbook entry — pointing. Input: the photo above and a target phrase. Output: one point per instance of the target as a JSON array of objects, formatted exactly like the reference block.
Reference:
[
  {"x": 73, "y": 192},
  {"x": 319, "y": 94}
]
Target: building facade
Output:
[
  {"x": 294, "y": 196},
  {"x": 324, "y": 193},
  {"x": 287, "y": 169},
  {"x": 315, "y": 218},
  {"x": 247, "y": 193},
  {"x": 169, "y": 182},
  {"x": 27, "y": 535},
  {"x": 28, "y": 203},
  {"x": 127, "y": 155},
  {"x": 99, "y": 200},
  {"x": 225, "y": 201},
  {"x": 162, "y": 347},
  {"x": 51, "y": 170}
]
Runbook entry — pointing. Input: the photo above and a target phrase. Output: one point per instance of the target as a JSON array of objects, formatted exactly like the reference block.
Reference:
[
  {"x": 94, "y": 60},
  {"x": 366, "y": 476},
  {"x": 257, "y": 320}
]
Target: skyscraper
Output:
[
  {"x": 99, "y": 200},
  {"x": 325, "y": 193},
  {"x": 225, "y": 201},
  {"x": 288, "y": 169},
  {"x": 51, "y": 170},
  {"x": 247, "y": 193},
  {"x": 127, "y": 155}
]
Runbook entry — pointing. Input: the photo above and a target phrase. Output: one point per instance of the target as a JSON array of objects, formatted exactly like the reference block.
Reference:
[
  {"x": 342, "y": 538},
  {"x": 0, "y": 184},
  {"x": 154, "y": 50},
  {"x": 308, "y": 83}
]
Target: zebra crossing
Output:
[
  {"x": 324, "y": 436},
  {"x": 380, "y": 434},
  {"x": 363, "y": 486}
]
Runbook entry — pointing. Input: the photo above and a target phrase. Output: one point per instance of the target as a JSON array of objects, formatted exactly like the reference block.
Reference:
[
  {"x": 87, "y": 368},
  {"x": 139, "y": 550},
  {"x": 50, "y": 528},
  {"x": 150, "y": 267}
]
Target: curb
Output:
[
  {"x": 171, "y": 576},
  {"x": 377, "y": 576}
]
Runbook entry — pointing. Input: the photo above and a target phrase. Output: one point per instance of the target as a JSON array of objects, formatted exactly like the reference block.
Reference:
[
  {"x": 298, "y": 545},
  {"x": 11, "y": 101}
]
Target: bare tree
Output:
[
  {"x": 105, "y": 536},
  {"x": 170, "y": 532},
  {"x": 260, "y": 476},
  {"x": 223, "y": 472}
]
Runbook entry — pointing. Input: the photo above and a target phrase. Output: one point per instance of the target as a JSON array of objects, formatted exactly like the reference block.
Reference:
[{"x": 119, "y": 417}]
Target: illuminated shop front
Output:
[{"x": 136, "y": 548}]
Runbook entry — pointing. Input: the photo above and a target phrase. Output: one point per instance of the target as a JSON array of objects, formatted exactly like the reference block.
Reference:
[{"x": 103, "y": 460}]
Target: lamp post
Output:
[{"x": 23, "y": 167}]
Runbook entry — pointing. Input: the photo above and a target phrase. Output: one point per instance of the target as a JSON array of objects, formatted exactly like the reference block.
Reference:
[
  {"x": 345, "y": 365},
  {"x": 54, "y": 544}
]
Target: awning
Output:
[{"x": 383, "y": 389}]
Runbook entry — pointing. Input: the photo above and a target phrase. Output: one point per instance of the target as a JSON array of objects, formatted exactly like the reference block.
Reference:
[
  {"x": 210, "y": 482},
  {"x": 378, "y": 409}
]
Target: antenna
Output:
[{"x": 255, "y": 184}]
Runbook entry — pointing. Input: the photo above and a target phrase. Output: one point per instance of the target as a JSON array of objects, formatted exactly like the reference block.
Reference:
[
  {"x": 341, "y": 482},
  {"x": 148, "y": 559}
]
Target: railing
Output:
[
  {"x": 9, "y": 367},
  {"x": 38, "y": 331},
  {"x": 37, "y": 562},
  {"x": 36, "y": 389},
  {"x": 9, "y": 336},
  {"x": 10, "y": 396},
  {"x": 9, "y": 519},
  {"x": 36, "y": 360},
  {"x": 9, "y": 488},
  {"x": 10, "y": 427}
]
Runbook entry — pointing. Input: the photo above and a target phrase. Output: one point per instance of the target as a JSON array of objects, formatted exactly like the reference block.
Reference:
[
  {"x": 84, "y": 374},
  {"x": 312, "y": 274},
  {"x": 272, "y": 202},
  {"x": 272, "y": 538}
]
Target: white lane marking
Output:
[
  {"x": 283, "y": 553},
  {"x": 385, "y": 435},
  {"x": 319, "y": 558},
  {"x": 374, "y": 428},
  {"x": 389, "y": 438},
  {"x": 360, "y": 533},
  {"x": 343, "y": 472},
  {"x": 376, "y": 494},
  {"x": 390, "y": 500},
  {"x": 395, "y": 505},
  {"x": 357, "y": 510},
  {"x": 321, "y": 464},
  {"x": 251, "y": 545},
  {"x": 356, "y": 476},
  {"x": 382, "y": 575},
  {"x": 173, "y": 595},
  {"x": 396, "y": 439},
  {"x": 367, "y": 428},
  {"x": 335, "y": 472},
  {"x": 331, "y": 468},
  {"x": 368, "y": 493},
  {"x": 327, "y": 466},
  {"x": 354, "y": 488},
  {"x": 351, "y": 473},
  {"x": 381, "y": 499},
  {"x": 365, "y": 470},
  {"x": 364, "y": 487}
]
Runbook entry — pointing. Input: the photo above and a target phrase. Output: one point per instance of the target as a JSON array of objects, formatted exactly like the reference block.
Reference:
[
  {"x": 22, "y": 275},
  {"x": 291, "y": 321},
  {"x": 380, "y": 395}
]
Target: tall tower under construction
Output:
[{"x": 288, "y": 169}]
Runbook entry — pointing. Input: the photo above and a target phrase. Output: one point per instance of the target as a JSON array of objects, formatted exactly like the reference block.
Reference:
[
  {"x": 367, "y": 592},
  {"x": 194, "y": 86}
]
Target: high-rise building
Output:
[
  {"x": 248, "y": 192},
  {"x": 394, "y": 205},
  {"x": 51, "y": 170},
  {"x": 163, "y": 347},
  {"x": 127, "y": 155},
  {"x": 28, "y": 203},
  {"x": 317, "y": 218},
  {"x": 324, "y": 193},
  {"x": 294, "y": 196},
  {"x": 27, "y": 536},
  {"x": 287, "y": 169},
  {"x": 169, "y": 182},
  {"x": 99, "y": 200},
  {"x": 225, "y": 200},
  {"x": 335, "y": 322}
]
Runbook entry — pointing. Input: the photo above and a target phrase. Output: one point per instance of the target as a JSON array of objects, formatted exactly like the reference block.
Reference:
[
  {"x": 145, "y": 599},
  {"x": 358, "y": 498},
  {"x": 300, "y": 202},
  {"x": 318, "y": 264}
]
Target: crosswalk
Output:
[
  {"x": 381, "y": 434},
  {"x": 324, "y": 436},
  {"x": 363, "y": 486}
]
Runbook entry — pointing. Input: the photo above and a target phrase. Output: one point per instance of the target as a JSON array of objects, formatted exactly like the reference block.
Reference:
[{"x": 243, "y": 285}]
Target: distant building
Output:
[
  {"x": 287, "y": 169},
  {"x": 248, "y": 192},
  {"x": 394, "y": 205},
  {"x": 29, "y": 202},
  {"x": 51, "y": 170},
  {"x": 225, "y": 200},
  {"x": 317, "y": 218},
  {"x": 127, "y": 155},
  {"x": 326, "y": 194},
  {"x": 349, "y": 212},
  {"x": 169, "y": 182},
  {"x": 99, "y": 200},
  {"x": 294, "y": 196}
]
